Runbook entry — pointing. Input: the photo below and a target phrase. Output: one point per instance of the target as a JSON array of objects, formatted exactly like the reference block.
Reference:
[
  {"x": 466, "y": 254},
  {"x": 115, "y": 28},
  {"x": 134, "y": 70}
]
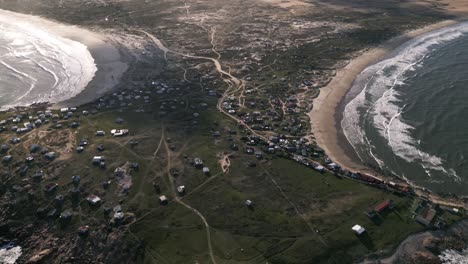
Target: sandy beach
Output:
[
  {"x": 107, "y": 57},
  {"x": 325, "y": 113}
]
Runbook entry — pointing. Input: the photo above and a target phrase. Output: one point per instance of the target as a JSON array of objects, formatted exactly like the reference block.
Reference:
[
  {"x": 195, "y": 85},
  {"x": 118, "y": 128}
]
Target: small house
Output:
[
  {"x": 65, "y": 217},
  {"x": 359, "y": 230},
  {"x": 83, "y": 231},
  {"x": 382, "y": 206},
  {"x": 50, "y": 155},
  {"x": 38, "y": 175},
  {"x": 93, "y": 199},
  {"x": 119, "y": 132},
  {"x": 34, "y": 148},
  {"x": 76, "y": 180},
  {"x": 100, "y": 133},
  {"x": 163, "y": 200},
  {"x": 198, "y": 163},
  {"x": 50, "y": 187},
  {"x": 97, "y": 160},
  {"x": 7, "y": 159},
  {"x": 319, "y": 168},
  {"x": 181, "y": 190},
  {"x": 4, "y": 148},
  {"x": 249, "y": 203},
  {"x": 206, "y": 170},
  {"x": 15, "y": 140}
]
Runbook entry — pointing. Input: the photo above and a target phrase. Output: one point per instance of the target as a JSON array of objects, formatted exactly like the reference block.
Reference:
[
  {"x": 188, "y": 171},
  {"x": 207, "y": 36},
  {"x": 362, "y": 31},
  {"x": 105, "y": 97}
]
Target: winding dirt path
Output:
[{"x": 178, "y": 200}]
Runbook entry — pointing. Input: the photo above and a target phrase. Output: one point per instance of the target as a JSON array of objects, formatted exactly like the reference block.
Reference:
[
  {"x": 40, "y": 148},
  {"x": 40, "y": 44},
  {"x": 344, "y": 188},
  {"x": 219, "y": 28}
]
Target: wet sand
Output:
[
  {"x": 327, "y": 109},
  {"x": 109, "y": 60}
]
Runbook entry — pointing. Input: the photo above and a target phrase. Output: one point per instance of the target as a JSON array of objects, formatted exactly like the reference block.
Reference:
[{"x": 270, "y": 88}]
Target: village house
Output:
[
  {"x": 359, "y": 230},
  {"x": 7, "y": 159},
  {"x": 163, "y": 200},
  {"x": 181, "y": 190},
  {"x": 38, "y": 175},
  {"x": 50, "y": 155},
  {"x": 119, "y": 132},
  {"x": 249, "y": 203},
  {"x": 93, "y": 199},
  {"x": 97, "y": 160},
  {"x": 198, "y": 163},
  {"x": 51, "y": 187}
]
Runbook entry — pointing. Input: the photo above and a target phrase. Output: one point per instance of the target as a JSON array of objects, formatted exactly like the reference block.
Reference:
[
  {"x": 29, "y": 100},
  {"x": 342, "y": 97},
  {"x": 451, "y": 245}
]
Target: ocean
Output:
[
  {"x": 408, "y": 113},
  {"x": 38, "y": 66}
]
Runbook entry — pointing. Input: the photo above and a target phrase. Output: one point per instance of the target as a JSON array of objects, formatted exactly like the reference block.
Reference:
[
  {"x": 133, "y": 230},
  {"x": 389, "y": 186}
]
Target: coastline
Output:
[
  {"x": 325, "y": 116},
  {"x": 108, "y": 58}
]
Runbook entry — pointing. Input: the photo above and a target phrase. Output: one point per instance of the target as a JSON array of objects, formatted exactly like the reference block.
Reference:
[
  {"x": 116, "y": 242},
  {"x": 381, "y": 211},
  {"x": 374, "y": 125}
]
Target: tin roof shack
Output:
[
  {"x": 97, "y": 160},
  {"x": 65, "y": 218},
  {"x": 359, "y": 230},
  {"x": 119, "y": 132},
  {"x": 50, "y": 187},
  {"x": 7, "y": 159},
  {"x": 38, "y": 175},
  {"x": 50, "y": 156},
  {"x": 163, "y": 200},
  {"x": 198, "y": 163},
  {"x": 181, "y": 190},
  {"x": 93, "y": 200}
]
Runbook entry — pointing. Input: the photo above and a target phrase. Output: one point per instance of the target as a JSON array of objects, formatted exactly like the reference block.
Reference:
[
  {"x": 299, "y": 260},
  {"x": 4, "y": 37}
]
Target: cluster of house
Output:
[
  {"x": 24, "y": 122},
  {"x": 428, "y": 214}
]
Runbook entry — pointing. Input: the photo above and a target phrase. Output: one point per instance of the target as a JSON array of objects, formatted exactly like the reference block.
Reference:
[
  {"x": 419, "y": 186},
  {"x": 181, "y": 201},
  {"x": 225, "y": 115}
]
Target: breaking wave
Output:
[
  {"x": 379, "y": 105},
  {"x": 451, "y": 256},
  {"x": 39, "y": 66}
]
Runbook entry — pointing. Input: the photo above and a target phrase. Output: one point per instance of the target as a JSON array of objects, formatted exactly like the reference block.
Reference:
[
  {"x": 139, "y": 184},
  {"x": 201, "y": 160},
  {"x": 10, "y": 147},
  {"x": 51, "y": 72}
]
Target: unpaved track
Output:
[{"x": 178, "y": 200}]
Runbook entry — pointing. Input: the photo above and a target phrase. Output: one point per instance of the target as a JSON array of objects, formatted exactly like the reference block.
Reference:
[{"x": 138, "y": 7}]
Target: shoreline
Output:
[
  {"x": 111, "y": 64},
  {"x": 326, "y": 114}
]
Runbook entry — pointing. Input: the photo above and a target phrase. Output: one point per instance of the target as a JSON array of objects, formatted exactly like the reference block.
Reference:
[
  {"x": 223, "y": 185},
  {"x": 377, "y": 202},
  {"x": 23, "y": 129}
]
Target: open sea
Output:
[
  {"x": 408, "y": 114},
  {"x": 39, "y": 66}
]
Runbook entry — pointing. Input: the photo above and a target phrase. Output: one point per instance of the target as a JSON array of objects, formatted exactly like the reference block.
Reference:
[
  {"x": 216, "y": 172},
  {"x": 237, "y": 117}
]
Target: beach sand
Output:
[
  {"x": 325, "y": 115},
  {"x": 110, "y": 62}
]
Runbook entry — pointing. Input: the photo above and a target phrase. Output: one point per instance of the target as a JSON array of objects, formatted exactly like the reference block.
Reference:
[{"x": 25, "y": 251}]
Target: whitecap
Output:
[{"x": 379, "y": 105}]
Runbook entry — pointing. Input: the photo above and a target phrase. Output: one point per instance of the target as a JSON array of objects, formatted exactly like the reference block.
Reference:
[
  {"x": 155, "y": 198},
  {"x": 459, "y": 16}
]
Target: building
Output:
[
  {"x": 198, "y": 163},
  {"x": 93, "y": 199},
  {"x": 383, "y": 206},
  {"x": 100, "y": 133},
  {"x": 359, "y": 230},
  {"x": 426, "y": 216},
  {"x": 119, "y": 132},
  {"x": 97, "y": 160},
  {"x": 50, "y": 155},
  {"x": 50, "y": 187},
  {"x": 206, "y": 170},
  {"x": 181, "y": 190},
  {"x": 163, "y": 200}
]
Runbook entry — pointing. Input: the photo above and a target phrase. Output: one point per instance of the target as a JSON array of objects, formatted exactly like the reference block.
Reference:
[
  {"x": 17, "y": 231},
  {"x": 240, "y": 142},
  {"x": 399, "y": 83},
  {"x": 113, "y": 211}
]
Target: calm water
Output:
[
  {"x": 408, "y": 114},
  {"x": 38, "y": 66}
]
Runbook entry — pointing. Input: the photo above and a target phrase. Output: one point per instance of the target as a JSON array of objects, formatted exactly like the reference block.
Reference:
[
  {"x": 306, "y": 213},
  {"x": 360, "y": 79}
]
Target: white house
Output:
[
  {"x": 358, "y": 229},
  {"x": 119, "y": 132}
]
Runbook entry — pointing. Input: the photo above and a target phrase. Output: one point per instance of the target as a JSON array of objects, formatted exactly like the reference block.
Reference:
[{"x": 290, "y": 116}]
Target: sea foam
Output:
[
  {"x": 39, "y": 65},
  {"x": 379, "y": 105}
]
